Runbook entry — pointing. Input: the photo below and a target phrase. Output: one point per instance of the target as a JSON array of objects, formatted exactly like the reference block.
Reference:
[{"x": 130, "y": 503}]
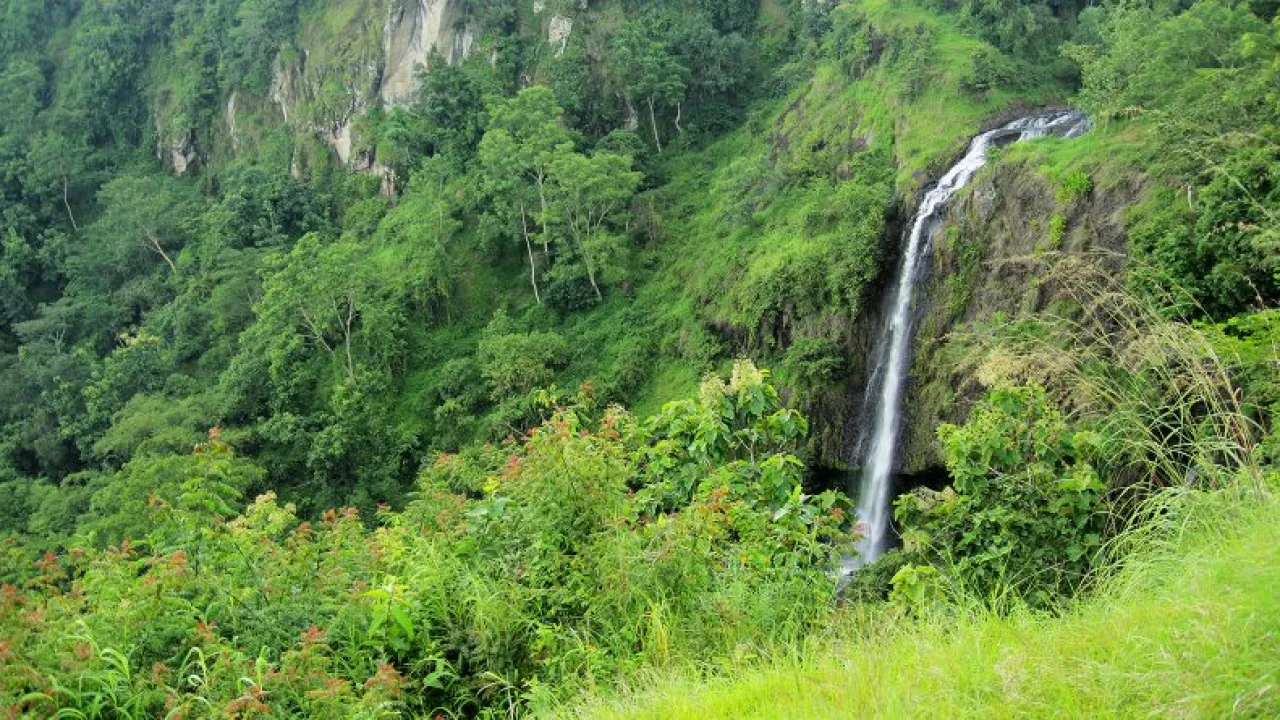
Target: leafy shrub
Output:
[
  {"x": 1194, "y": 73},
  {"x": 874, "y": 582},
  {"x": 209, "y": 483},
  {"x": 851, "y": 42},
  {"x": 1248, "y": 346},
  {"x": 910, "y": 50},
  {"x": 1216, "y": 251},
  {"x": 814, "y": 364},
  {"x": 569, "y": 292},
  {"x": 515, "y": 572},
  {"x": 1014, "y": 26},
  {"x": 1022, "y": 515},
  {"x": 1073, "y": 186},
  {"x": 988, "y": 69},
  {"x": 1057, "y": 232},
  {"x": 513, "y": 362}
]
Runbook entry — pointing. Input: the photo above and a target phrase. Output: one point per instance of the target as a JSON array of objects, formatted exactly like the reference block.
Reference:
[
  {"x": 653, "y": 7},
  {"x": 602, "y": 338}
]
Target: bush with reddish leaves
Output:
[{"x": 591, "y": 547}]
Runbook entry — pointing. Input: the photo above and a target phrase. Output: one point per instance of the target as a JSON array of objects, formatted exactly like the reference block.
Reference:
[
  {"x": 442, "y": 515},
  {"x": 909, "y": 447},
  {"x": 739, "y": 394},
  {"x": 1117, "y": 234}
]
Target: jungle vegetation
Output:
[{"x": 519, "y": 409}]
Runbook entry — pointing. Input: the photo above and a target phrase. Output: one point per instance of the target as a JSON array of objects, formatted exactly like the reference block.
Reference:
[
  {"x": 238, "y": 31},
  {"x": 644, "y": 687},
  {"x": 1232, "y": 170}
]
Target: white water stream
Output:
[{"x": 883, "y": 402}]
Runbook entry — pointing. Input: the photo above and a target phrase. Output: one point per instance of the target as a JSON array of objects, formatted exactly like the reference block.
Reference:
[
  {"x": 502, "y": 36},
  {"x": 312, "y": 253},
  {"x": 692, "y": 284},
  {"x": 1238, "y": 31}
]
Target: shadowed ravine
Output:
[{"x": 882, "y": 399}]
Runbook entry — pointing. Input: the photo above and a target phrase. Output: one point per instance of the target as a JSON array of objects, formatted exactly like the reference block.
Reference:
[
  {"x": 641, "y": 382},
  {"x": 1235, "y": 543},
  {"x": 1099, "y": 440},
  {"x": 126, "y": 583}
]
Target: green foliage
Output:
[
  {"x": 1057, "y": 232},
  {"x": 419, "y": 239},
  {"x": 513, "y": 362},
  {"x": 515, "y": 572},
  {"x": 140, "y": 221},
  {"x": 582, "y": 89},
  {"x": 343, "y": 320},
  {"x": 990, "y": 69},
  {"x": 570, "y": 291},
  {"x": 153, "y": 424},
  {"x": 1017, "y": 26},
  {"x": 1214, "y": 252},
  {"x": 730, "y": 15},
  {"x": 718, "y": 69},
  {"x": 1176, "y": 632},
  {"x": 453, "y": 108},
  {"x": 1021, "y": 518},
  {"x": 587, "y": 202},
  {"x": 814, "y": 364},
  {"x": 325, "y": 296},
  {"x": 873, "y": 583},
  {"x": 642, "y": 57},
  {"x": 726, "y": 422},
  {"x": 1202, "y": 77},
  {"x": 155, "y": 496},
  {"x": 516, "y": 153},
  {"x": 139, "y": 309},
  {"x": 1249, "y": 346},
  {"x": 260, "y": 30},
  {"x": 1074, "y": 186}
]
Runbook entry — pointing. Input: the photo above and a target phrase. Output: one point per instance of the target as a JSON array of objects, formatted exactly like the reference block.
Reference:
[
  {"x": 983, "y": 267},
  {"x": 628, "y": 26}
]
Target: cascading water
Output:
[{"x": 882, "y": 403}]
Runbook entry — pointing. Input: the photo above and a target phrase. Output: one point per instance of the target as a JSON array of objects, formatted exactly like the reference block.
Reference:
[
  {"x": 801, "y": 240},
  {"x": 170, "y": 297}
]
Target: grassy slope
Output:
[{"x": 1191, "y": 629}]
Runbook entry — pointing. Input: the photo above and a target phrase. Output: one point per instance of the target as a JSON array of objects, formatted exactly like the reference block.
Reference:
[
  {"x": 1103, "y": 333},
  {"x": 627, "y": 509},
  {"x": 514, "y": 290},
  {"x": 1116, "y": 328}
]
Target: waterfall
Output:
[{"x": 882, "y": 404}]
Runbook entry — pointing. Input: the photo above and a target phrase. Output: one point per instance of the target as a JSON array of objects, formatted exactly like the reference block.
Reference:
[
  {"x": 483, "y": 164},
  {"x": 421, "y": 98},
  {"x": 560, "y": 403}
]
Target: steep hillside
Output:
[
  {"x": 1023, "y": 214},
  {"x": 782, "y": 149},
  {"x": 784, "y": 230},
  {"x": 476, "y": 358}
]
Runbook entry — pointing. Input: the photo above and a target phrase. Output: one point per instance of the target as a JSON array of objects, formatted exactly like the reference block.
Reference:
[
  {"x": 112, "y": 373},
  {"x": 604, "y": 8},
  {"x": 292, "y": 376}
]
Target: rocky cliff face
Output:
[
  {"x": 363, "y": 54},
  {"x": 354, "y": 56},
  {"x": 414, "y": 28},
  {"x": 1011, "y": 212}
]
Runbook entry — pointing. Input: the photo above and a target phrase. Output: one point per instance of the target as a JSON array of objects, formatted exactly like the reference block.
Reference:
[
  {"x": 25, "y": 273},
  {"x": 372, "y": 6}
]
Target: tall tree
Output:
[
  {"x": 326, "y": 294},
  {"x": 452, "y": 105},
  {"x": 649, "y": 70},
  {"x": 588, "y": 199},
  {"x": 143, "y": 211},
  {"x": 58, "y": 169},
  {"x": 417, "y": 235},
  {"x": 524, "y": 136}
]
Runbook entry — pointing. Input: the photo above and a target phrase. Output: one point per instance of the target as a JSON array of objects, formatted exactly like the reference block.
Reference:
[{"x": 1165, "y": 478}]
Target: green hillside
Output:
[{"x": 493, "y": 358}]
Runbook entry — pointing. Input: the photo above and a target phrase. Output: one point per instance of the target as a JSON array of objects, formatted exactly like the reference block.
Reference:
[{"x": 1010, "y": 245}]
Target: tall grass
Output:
[
  {"x": 1161, "y": 402},
  {"x": 1189, "y": 628},
  {"x": 1154, "y": 389}
]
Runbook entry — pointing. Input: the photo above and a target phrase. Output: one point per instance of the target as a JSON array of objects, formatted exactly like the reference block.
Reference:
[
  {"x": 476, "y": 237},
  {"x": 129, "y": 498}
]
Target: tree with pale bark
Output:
[
  {"x": 524, "y": 137},
  {"x": 588, "y": 205},
  {"x": 650, "y": 71},
  {"x": 324, "y": 293},
  {"x": 143, "y": 212}
]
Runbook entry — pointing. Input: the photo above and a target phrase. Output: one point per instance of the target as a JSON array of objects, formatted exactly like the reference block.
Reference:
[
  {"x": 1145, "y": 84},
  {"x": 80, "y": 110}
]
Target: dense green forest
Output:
[{"x": 371, "y": 358}]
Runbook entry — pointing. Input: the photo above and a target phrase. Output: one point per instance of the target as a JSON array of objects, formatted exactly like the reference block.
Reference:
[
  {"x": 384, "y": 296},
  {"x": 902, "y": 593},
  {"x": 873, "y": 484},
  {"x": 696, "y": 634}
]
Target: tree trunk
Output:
[
  {"x": 155, "y": 245},
  {"x": 346, "y": 332},
  {"x": 533, "y": 269},
  {"x": 316, "y": 334},
  {"x": 591, "y": 275},
  {"x": 679, "y": 112},
  {"x": 542, "y": 198},
  {"x": 653, "y": 123},
  {"x": 67, "y": 205}
]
